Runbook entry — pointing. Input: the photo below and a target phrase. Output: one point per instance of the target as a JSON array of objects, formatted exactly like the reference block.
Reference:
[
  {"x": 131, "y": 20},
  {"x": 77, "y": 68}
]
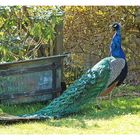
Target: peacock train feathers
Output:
[{"x": 95, "y": 82}]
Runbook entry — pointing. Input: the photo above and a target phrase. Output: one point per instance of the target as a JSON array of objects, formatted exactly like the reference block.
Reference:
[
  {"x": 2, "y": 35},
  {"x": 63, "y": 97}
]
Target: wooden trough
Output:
[{"x": 31, "y": 80}]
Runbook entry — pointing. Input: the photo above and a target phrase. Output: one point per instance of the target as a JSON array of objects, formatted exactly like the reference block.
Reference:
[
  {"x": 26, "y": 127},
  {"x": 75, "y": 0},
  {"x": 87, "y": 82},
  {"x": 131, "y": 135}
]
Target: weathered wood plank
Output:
[
  {"x": 28, "y": 70},
  {"x": 29, "y": 81}
]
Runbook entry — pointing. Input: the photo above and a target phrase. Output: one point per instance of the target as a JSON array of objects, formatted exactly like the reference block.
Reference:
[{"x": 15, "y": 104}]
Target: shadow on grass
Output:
[{"x": 121, "y": 106}]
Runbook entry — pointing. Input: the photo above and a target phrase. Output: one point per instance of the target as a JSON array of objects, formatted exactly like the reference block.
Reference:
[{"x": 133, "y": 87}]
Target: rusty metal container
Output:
[{"x": 31, "y": 80}]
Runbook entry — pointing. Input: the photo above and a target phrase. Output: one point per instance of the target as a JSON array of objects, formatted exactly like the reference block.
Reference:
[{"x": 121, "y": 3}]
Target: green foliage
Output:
[{"x": 23, "y": 29}]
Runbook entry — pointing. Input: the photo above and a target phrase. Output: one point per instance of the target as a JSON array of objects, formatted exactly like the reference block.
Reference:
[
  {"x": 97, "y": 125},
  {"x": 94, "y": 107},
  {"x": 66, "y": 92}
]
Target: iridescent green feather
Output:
[{"x": 83, "y": 90}]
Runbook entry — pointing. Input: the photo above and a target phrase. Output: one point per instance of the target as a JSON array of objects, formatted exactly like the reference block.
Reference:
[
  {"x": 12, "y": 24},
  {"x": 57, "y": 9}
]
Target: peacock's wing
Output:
[{"x": 117, "y": 65}]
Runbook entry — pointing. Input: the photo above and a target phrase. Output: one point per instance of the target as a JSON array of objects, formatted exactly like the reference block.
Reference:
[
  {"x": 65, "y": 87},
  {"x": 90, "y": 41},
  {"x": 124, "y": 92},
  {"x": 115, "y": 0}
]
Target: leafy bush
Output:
[{"x": 25, "y": 29}]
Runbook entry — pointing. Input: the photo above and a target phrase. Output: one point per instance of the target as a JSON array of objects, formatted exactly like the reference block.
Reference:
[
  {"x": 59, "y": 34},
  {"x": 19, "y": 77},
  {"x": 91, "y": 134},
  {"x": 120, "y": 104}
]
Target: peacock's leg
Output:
[
  {"x": 98, "y": 103},
  {"x": 110, "y": 98}
]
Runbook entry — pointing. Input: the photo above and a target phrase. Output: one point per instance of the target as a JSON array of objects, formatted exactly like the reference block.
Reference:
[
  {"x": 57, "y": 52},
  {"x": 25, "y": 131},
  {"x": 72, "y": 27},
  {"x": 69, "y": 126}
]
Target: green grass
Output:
[
  {"x": 127, "y": 89},
  {"x": 122, "y": 118}
]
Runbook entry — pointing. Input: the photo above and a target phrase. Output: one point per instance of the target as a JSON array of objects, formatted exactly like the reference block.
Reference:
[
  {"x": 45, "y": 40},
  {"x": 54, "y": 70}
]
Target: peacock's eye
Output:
[{"x": 115, "y": 25}]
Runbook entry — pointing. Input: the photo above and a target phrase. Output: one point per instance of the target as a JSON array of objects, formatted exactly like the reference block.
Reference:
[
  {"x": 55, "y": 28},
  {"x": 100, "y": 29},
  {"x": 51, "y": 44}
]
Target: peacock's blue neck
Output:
[{"x": 115, "y": 46}]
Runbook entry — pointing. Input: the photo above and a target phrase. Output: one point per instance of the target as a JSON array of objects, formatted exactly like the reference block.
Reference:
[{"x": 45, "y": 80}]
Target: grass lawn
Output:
[{"x": 122, "y": 118}]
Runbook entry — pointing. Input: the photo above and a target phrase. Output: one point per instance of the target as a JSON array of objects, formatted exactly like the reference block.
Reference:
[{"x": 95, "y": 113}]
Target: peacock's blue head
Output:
[
  {"x": 116, "y": 26},
  {"x": 115, "y": 46}
]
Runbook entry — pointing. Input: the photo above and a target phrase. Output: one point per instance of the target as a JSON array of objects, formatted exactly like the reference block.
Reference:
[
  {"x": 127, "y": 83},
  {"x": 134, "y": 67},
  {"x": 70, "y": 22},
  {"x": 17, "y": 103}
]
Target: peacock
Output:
[{"x": 99, "y": 80}]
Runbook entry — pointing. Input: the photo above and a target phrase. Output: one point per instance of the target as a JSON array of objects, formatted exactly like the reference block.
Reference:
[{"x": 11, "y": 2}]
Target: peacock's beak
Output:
[{"x": 111, "y": 26}]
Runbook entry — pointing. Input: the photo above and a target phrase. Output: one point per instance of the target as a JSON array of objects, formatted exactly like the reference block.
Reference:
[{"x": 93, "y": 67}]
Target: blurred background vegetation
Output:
[{"x": 28, "y": 32}]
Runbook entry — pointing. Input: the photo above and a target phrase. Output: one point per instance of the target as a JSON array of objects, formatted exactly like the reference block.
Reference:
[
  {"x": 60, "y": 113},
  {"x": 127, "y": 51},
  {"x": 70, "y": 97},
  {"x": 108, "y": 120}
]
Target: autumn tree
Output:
[{"x": 87, "y": 34}]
